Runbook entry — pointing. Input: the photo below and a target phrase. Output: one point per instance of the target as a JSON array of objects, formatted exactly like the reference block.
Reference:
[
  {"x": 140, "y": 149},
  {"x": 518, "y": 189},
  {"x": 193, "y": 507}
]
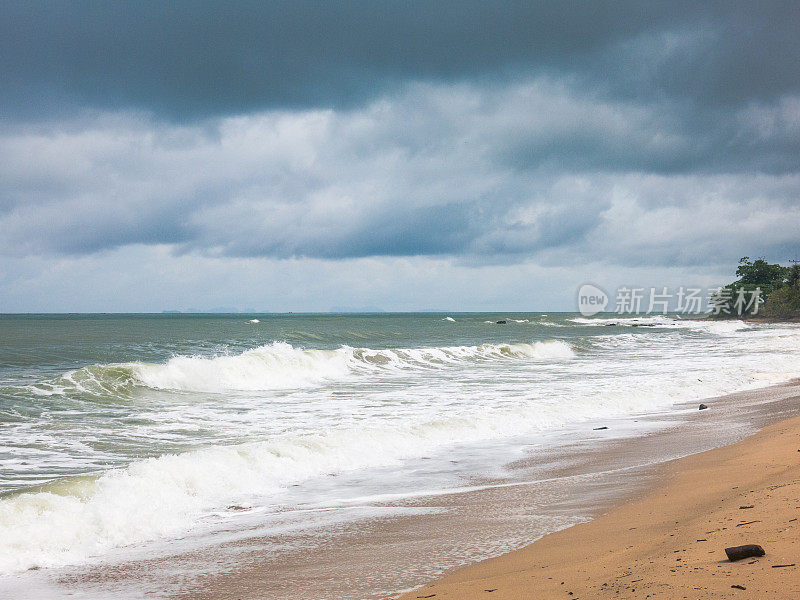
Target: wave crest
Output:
[{"x": 279, "y": 366}]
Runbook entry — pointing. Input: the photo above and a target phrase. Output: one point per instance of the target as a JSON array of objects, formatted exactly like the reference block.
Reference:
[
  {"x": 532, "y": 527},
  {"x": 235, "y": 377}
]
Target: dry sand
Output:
[{"x": 670, "y": 542}]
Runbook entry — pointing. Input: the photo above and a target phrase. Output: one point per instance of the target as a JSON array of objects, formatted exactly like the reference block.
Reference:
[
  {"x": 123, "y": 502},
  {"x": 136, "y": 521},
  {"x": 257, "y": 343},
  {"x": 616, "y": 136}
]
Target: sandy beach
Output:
[{"x": 668, "y": 543}]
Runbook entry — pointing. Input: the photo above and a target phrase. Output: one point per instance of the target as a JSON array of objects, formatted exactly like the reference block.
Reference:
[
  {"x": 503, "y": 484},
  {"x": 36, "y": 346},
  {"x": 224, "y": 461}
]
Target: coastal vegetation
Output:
[{"x": 763, "y": 289}]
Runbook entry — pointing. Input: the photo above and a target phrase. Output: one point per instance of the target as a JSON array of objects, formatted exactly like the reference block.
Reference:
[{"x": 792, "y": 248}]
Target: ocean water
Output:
[{"x": 122, "y": 430}]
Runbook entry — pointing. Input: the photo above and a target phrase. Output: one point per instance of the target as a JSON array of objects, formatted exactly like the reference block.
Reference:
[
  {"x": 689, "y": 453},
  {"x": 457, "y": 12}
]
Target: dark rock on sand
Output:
[
  {"x": 746, "y": 551},
  {"x": 599, "y": 428},
  {"x": 703, "y": 407}
]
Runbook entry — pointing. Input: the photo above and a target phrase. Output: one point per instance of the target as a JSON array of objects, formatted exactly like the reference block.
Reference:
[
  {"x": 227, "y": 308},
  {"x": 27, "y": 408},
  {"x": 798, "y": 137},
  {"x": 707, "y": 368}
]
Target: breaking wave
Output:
[
  {"x": 72, "y": 519},
  {"x": 279, "y": 365}
]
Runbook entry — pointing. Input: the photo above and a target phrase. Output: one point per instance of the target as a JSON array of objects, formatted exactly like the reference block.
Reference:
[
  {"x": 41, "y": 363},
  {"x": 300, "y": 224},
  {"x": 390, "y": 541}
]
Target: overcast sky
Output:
[{"x": 304, "y": 156}]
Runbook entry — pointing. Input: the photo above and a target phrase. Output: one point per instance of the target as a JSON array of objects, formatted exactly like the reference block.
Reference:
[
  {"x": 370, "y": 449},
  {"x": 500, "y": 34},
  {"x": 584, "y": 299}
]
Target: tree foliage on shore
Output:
[{"x": 779, "y": 290}]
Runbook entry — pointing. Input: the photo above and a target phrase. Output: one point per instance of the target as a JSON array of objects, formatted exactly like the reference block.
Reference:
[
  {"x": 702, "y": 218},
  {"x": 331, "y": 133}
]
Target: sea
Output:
[{"x": 125, "y": 432}]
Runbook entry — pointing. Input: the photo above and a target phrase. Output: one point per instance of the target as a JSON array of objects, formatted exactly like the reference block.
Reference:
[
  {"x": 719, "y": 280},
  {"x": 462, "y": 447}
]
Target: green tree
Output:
[
  {"x": 755, "y": 277},
  {"x": 784, "y": 302},
  {"x": 761, "y": 273},
  {"x": 793, "y": 278}
]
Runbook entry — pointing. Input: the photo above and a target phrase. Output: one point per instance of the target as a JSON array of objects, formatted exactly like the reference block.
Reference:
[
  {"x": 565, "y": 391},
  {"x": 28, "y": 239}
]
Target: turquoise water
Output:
[{"x": 119, "y": 429}]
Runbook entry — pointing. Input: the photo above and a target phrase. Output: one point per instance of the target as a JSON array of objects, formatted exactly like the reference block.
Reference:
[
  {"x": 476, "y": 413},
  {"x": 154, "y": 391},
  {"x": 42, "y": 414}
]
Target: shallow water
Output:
[{"x": 134, "y": 431}]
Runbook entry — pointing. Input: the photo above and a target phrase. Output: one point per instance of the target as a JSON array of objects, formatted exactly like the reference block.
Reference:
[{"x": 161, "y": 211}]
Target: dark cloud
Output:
[
  {"x": 195, "y": 59},
  {"x": 631, "y": 133},
  {"x": 659, "y": 138},
  {"x": 432, "y": 172}
]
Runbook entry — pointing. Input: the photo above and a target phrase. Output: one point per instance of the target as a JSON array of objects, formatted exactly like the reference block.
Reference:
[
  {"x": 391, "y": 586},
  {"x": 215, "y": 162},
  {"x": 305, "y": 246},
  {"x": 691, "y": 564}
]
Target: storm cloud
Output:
[
  {"x": 655, "y": 134},
  {"x": 189, "y": 59}
]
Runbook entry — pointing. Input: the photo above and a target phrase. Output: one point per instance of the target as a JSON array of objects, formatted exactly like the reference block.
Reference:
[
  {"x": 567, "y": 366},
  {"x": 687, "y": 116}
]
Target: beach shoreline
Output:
[
  {"x": 669, "y": 541},
  {"x": 442, "y": 537}
]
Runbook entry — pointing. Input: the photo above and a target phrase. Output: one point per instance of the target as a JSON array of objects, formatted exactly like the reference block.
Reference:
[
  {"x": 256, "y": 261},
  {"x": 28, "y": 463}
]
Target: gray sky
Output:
[{"x": 401, "y": 155}]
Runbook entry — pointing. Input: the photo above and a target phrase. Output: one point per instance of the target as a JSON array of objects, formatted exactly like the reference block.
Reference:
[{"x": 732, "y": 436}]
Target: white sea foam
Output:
[
  {"x": 164, "y": 496},
  {"x": 280, "y": 365},
  {"x": 411, "y": 402},
  {"x": 451, "y": 319},
  {"x": 254, "y": 321},
  {"x": 275, "y": 366},
  {"x": 554, "y": 349}
]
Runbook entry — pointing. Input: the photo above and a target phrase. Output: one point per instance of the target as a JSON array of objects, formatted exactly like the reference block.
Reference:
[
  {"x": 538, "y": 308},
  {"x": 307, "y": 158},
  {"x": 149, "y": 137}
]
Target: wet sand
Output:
[{"x": 670, "y": 542}]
